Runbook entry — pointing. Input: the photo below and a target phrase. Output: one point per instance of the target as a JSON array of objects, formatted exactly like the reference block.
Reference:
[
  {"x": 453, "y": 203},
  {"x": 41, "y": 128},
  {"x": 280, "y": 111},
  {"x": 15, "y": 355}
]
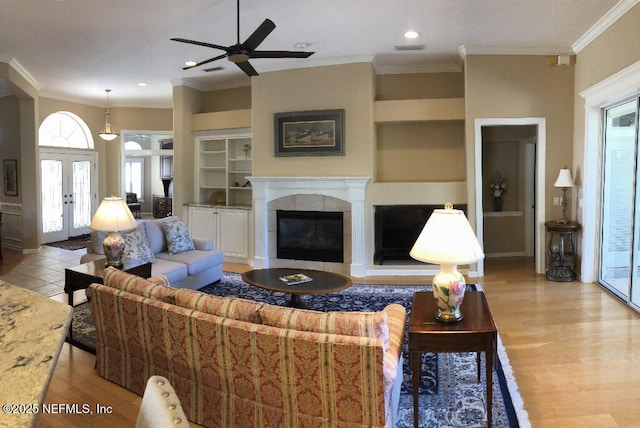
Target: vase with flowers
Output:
[{"x": 498, "y": 189}]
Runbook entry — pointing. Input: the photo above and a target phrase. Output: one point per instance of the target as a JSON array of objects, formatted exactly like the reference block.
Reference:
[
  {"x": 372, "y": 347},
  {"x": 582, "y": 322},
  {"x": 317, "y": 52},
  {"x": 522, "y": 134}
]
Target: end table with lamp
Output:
[{"x": 562, "y": 236}]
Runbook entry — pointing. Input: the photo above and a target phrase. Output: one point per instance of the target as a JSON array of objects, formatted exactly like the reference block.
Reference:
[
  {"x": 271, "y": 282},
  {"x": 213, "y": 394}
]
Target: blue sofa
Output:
[{"x": 190, "y": 269}]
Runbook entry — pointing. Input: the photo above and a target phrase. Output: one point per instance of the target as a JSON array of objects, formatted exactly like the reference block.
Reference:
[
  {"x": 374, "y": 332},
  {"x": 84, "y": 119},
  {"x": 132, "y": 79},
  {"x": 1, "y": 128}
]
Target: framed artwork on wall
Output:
[
  {"x": 309, "y": 133},
  {"x": 10, "y": 168}
]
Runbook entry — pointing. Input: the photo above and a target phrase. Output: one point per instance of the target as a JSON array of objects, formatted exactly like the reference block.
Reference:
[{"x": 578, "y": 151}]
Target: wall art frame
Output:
[
  {"x": 309, "y": 133},
  {"x": 10, "y": 170}
]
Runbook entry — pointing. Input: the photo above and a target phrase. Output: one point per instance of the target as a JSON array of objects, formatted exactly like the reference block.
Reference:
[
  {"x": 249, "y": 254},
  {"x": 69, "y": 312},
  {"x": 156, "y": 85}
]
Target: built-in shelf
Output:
[{"x": 503, "y": 214}]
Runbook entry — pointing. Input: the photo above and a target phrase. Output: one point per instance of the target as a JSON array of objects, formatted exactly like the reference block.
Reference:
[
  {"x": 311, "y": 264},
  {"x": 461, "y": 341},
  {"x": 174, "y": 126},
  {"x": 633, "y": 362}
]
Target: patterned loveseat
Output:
[{"x": 240, "y": 363}]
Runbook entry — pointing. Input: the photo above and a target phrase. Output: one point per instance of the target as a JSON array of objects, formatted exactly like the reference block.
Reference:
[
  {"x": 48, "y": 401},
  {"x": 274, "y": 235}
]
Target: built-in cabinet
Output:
[
  {"x": 228, "y": 229},
  {"x": 223, "y": 163},
  {"x": 223, "y": 195}
]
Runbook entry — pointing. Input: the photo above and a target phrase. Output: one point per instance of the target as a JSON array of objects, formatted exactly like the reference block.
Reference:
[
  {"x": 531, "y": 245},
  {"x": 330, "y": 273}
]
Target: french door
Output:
[
  {"x": 69, "y": 192},
  {"x": 620, "y": 232}
]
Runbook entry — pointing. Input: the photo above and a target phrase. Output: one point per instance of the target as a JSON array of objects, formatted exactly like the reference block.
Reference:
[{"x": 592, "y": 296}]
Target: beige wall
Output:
[
  {"x": 10, "y": 139},
  {"x": 348, "y": 87},
  {"x": 419, "y": 86},
  {"x": 226, "y": 99},
  {"x": 515, "y": 87},
  {"x": 615, "y": 49}
]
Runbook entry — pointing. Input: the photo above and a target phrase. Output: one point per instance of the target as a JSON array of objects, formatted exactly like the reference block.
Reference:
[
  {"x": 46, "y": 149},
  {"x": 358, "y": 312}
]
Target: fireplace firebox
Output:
[
  {"x": 396, "y": 229},
  {"x": 310, "y": 235}
]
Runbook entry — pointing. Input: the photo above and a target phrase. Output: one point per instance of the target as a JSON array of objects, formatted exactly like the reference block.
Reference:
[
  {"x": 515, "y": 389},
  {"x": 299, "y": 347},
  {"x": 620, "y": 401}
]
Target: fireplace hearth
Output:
[{"x": 310, "y": 235}]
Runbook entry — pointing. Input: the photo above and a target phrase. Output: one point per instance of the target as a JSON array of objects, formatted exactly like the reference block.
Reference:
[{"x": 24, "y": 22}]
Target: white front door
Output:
[{"x": 69, "y": 193}]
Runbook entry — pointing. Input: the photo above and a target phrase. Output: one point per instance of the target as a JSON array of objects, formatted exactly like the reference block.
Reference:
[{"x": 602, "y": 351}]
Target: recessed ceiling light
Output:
[
  {"x": 190, "y": 63},
  {"x": 142, "y": 84},
  {"x": 411, "y": 35}
]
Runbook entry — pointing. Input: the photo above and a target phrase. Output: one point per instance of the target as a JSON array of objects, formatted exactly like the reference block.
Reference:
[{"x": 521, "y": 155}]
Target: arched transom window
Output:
[{"x": 65, "y": 129}]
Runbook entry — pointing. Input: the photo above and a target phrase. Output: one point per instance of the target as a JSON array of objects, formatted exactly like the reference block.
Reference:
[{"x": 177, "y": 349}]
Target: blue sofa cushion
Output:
[{"x": 196, "y": 261}]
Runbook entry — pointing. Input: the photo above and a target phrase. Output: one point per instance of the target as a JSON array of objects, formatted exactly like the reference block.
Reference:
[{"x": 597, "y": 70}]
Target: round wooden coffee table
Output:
[{"x": 322, "y": 282}]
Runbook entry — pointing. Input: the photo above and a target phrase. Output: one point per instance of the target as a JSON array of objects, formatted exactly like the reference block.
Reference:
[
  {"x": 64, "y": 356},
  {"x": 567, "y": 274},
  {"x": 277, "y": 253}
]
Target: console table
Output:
[
  {"x": 560, "y": 250},
  {"x": 81, "y": 276}
]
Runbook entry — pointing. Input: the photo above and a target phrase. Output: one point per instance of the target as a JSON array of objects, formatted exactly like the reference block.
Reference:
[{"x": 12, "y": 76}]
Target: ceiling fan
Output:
[{"x": 240, "y": 53}]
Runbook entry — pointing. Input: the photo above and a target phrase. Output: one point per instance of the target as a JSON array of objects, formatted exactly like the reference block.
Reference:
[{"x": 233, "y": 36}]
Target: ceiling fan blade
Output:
[
  {"x": 195, "y": 42},
  {"x": 281, "y": 54},
  {"x": 247, "y": 68},
  {"x": 259, "y": 35},
  {"x": 207, "y": 61}
]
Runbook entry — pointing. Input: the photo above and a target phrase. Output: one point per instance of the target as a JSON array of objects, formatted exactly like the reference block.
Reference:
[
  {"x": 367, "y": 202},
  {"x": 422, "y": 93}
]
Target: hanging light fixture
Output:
[{"x": 107, "y": 133}]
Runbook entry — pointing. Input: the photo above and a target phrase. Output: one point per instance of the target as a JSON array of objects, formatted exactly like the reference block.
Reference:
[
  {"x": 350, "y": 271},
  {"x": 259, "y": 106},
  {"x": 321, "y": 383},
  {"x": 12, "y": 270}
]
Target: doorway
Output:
[
  {"x": 147, "y": 167},
  {"x": 525, "y": 141},
  {"x": 68, "y": 193}
]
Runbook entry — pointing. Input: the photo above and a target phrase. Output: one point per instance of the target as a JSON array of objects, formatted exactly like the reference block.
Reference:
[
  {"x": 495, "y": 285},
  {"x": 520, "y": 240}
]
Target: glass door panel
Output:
[
  {"x": 81, "y": 176},
  {"x": 619, "y": 214},
  {"x": 52, "y": 207}
]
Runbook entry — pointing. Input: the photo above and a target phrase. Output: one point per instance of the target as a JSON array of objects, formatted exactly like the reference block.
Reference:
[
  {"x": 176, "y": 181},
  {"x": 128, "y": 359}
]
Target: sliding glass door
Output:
[{"x": 620, "y": 232}]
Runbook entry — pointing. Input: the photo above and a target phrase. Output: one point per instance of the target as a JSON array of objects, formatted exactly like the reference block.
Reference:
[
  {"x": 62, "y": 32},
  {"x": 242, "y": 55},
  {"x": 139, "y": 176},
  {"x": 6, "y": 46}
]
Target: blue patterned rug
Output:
[{"x": 449, "y": 393}]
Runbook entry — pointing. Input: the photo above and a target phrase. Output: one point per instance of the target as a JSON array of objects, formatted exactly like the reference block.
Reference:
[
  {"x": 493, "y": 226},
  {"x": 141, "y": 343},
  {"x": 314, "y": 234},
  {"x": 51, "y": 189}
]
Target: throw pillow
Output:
[
  {"x": 136, "y": 246},
  {"x": 178, "y": 238}
]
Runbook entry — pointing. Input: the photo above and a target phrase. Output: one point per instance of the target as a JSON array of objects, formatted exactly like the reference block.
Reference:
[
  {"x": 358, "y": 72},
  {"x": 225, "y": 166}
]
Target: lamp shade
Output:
[
  {"x": 447, "y": 237},
  {"x": 113, "y": 215},
  {"x": 564, "y": 178}
]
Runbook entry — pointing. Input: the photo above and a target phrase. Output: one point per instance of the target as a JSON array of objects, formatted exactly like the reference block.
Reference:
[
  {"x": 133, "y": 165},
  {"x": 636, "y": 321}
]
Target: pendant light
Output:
[{"x": 107, "y": 133}]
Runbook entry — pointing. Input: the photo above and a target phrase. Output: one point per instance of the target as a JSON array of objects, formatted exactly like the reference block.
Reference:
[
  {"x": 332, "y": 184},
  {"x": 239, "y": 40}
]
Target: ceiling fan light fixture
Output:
[
  {"x": 238, "y": 57},
  {"x": 107, "y": 133}
]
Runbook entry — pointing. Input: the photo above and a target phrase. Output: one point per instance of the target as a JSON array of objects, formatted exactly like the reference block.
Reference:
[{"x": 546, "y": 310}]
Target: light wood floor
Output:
[{"x": 574, "y": 349}]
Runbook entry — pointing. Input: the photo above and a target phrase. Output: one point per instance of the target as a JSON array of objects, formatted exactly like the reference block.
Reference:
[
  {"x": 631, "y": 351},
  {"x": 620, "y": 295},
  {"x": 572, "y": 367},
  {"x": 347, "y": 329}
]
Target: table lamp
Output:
[
  {"x": 448, "y": 240},
  {"x": 113, "y": 216},
  {"x": 564, "y": 181}
]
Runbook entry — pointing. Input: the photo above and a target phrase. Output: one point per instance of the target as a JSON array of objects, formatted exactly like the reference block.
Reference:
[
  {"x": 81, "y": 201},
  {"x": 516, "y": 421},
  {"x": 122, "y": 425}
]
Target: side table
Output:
[
  {"x": 560, "y": 250},
  {"x": 81, "y": 276},
  {"x": 475, "y": 333}
]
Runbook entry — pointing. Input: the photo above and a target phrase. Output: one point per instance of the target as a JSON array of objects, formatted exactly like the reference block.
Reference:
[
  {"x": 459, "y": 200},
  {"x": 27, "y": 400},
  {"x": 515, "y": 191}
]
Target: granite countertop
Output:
[{"x": 32, "y": 331}]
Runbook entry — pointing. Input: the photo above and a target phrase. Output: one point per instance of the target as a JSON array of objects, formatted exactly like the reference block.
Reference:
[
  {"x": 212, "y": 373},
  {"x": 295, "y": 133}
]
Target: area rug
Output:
[
  {"x": 73, "y": 243},
  {"x": 449, "y": 393}
]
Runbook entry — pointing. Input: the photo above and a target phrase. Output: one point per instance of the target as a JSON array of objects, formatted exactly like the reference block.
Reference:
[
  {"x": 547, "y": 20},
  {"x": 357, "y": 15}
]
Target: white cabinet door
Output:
[
  {"x": 233, "y": 225},
  {"x": 202, "y": 224},
  {"x": 227, "y": 228}
]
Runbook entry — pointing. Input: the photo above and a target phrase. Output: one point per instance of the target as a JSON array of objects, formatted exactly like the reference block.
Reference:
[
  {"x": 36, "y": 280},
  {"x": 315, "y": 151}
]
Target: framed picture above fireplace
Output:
[{"x": 309, "y": 133}]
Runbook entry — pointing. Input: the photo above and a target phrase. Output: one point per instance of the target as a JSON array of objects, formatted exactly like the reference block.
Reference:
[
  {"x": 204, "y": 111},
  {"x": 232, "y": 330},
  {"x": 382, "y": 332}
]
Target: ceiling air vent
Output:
[{"x": 409, "y": 47}]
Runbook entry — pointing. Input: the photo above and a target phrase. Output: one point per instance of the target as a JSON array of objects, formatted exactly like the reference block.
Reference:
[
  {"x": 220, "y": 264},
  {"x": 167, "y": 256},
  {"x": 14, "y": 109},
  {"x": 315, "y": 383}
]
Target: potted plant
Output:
[{"x": 498, "y": 189}]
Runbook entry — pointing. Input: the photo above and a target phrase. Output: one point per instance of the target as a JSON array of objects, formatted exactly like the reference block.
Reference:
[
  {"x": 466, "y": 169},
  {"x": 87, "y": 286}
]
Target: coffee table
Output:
[
  {"x": 475, "y": 333},
  {"x": 81, "y": 276},
  {"x": 323, "y": 282}
]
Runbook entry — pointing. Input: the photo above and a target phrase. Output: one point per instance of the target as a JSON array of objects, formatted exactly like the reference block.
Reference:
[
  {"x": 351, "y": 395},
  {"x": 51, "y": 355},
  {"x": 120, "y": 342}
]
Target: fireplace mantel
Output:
[{"x": 349, "y": 189}]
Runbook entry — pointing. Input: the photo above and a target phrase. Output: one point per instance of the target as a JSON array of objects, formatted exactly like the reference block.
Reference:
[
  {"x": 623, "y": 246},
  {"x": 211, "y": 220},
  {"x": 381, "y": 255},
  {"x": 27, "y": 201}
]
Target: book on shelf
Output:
[{"x": 295, "y": 278}]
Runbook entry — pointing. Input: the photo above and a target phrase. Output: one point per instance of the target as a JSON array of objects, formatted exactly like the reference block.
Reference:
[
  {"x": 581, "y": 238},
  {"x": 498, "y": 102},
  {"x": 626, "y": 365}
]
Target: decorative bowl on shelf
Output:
[{"x": 218, "y": 198}]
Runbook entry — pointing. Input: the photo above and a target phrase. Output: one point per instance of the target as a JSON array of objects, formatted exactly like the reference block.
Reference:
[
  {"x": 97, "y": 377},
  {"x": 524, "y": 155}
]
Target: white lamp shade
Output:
[
  {"x": 447, "y": 238},
  {"x": 113, "y": 215},
  {"x": 564, "y": 179}
]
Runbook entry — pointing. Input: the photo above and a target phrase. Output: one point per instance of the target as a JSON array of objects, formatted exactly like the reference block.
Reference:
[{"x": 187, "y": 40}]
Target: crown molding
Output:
[
  {"x": 463, "y": 51},
  {"x": 604, "y": 23}
]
